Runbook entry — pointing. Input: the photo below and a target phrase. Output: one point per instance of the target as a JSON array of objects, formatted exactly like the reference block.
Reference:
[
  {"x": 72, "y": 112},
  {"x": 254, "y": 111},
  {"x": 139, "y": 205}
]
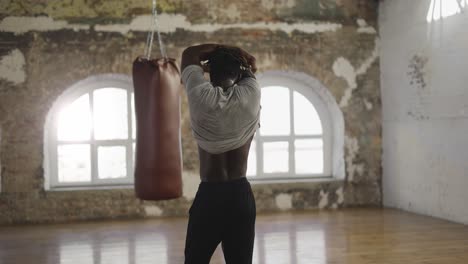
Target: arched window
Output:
[
  {"x": 90, "y": 134},
  {"x": 296, "y": 136}
]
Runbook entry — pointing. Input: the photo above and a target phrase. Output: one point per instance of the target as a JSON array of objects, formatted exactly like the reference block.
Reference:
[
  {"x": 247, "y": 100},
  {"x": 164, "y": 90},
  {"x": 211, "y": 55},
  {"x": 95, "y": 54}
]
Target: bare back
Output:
[{"x": 226, "y": 166}]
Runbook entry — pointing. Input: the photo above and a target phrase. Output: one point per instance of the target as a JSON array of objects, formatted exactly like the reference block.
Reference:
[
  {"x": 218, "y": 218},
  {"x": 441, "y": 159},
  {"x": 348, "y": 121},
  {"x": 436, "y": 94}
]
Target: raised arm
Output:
[
  {"x": 194, "y": 54},
  {"x": 247, "y": 58}
]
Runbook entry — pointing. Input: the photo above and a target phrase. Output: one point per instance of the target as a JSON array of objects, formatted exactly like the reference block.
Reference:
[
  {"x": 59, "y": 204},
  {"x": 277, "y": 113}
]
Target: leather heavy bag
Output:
[{"x": 158, "y": 164}]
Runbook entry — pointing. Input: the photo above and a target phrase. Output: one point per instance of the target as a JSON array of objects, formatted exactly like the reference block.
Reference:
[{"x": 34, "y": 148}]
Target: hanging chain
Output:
[{"x": 150, "y": 37}]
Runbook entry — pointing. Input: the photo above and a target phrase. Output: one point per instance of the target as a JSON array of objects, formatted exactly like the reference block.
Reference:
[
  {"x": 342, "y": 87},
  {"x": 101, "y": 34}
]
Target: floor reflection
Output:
[
  {"x": 74, "y": 252},
  {"x": 102, "y": 248},
  {"x": 114, "y": 252},
  {"x": 310, "y": 245},
  {"x": 277, "y": 246},
  {"x": 289, "y": 246},
  {"x": 151, "y": 249},
  {"x": 352, "y": 237},
  {"x": 279, "y": 243}
]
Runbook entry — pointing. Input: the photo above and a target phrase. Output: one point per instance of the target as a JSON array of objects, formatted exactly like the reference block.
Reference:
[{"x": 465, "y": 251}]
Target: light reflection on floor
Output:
[
  {"x": 357, "y": 236},
  {"x": 271, "y": 246}
]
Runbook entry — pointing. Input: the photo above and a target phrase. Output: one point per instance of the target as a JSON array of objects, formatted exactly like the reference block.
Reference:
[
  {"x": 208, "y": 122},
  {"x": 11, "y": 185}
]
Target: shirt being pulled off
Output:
[{"x": 221, "y": 120}]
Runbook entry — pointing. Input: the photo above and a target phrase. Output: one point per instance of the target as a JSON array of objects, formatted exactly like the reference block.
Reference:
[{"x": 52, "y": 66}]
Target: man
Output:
[{"x": 224, "y": 114}]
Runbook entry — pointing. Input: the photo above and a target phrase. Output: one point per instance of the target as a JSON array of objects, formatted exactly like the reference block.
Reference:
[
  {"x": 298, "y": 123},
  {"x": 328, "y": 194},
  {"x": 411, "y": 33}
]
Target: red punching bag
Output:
[{"x": 158, "y": 161}]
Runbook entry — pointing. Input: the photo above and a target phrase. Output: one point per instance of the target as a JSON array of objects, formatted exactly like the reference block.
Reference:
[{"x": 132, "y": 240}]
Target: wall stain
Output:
[{"x": 417, "y": 72}]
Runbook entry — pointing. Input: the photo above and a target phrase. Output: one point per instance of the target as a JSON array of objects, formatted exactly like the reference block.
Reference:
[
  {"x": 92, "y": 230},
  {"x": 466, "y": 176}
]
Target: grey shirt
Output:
[{"x": 221, "y": 120}]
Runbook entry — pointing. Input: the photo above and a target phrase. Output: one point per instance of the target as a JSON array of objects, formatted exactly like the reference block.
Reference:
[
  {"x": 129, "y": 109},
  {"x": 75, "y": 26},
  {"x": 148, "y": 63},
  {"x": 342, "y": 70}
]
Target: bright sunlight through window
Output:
[
  {"x": 290, "y": 139},
  {"x": 92, "y": 136},
  {"x": 444, "y": 8}
]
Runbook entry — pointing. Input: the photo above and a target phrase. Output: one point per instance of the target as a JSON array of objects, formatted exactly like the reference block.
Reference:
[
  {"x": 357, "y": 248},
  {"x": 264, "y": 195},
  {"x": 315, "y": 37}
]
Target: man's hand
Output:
[
  {"x": 251, "y": 61},
  {"x": 194, "y": 54}
]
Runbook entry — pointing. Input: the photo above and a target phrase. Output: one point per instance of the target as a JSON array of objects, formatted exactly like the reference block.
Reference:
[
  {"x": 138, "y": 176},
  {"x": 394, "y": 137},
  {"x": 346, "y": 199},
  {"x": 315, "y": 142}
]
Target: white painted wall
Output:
[{"x": 425, "y": 127}]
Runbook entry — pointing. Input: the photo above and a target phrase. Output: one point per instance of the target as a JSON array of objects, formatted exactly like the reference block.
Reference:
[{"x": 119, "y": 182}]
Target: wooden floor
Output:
[{"x": 352, "y": 236}]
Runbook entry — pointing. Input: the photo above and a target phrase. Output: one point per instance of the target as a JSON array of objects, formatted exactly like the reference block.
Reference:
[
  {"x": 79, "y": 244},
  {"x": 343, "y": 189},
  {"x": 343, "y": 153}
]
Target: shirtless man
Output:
[{"x": 224, "y": 115}]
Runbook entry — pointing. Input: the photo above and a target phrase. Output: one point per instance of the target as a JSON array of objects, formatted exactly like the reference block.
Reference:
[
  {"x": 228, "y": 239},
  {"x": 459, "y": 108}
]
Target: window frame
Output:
[
  {"x": 51, "y": 142},
  {"x": 293, "y": 84}
]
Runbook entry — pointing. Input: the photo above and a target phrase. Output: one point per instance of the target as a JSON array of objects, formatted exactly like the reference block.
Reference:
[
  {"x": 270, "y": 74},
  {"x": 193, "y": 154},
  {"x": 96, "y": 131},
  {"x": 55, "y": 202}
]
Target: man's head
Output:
[{"x": 225, "y": 67}]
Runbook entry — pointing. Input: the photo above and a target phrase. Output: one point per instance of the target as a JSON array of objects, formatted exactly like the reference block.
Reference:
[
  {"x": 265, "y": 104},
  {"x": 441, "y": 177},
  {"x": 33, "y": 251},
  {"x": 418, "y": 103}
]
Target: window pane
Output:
[
  {"x": 74, "y": 120},
  {"x": 445, "y": 8},
  {"x": 306, "y": 119},
  {"x": 110, "y": 113},
  {"x": 74, "y": 163},
  {"x": 112, "y": 162},
  {"x": 133, "y": 117},
  {"x": 252, "y": 160},
  {"x": 275, "y": 157},
  {"x": 309, "y": 156},
  {"x": 274, "y": 119}
]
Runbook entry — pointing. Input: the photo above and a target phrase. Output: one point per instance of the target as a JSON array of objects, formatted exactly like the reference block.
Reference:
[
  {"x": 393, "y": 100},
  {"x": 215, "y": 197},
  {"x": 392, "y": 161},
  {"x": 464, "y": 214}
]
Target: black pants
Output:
[{"x": 222, "y": 212}]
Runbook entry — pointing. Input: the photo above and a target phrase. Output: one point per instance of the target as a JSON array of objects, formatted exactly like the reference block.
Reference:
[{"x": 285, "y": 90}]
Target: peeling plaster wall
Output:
[
  {"x": 221, "y": 11},
  {"x": 425, "y": 109},
  {"x": 12, "y": 67},
  {"x": 51, "y": 45}
]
